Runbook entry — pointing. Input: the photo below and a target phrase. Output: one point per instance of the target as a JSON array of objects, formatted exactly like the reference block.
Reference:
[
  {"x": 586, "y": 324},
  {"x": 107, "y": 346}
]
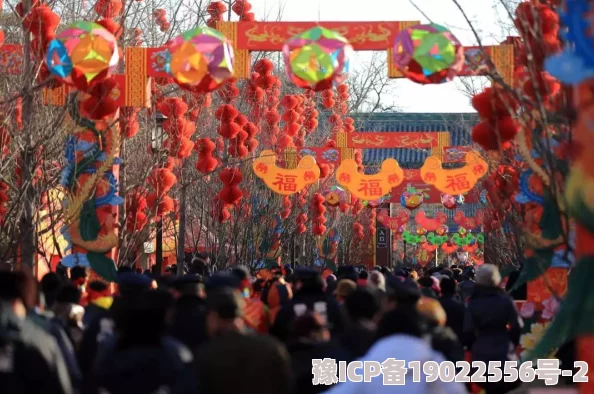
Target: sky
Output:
[{"x": 485, "y": 15}]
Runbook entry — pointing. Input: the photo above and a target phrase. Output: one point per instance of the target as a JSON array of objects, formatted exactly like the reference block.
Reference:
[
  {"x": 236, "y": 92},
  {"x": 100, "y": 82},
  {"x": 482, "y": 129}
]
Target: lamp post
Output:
[{"x": 157, "y": 139}]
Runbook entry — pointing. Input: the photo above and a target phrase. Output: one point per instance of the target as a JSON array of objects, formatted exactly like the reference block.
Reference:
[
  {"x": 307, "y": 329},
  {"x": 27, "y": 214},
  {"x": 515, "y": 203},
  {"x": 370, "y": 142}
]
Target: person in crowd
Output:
[
  {"x": 414, "y": 275},
  {"x": 250, "y": 359},
  {"x": 457, "y": 274},
  {"x": 310, "y": 339},
  {"x": 256, "y": 312},
  {"x": 402, "y": 340},
  {"x": 99, "y": 299},
  {"x": 363, "y": 308},
  {"x": 102, "y": 328},
  {"x": 79, "y": 276},
  {"x": 309, "y": 296},
  {"x": 343, "y": 289},
  {"x": 51, "y": 283},
  {"x": 451, "y": 304},
  {"x": 275, "y": 295},
  {"x": 363, "y": 278},
  {"x": 467, "y": 285},
  {"x": 188, "y": 317},
  {"x": 347, "y": 272},
  {"x": 404, "y": 293},
  {"x": 429, "y": 286},
  {"x": 45, "y": 319},
  {"x": 140, "y": 358},
  {"x": 69, "y": 314},
  {"x": 5, "y": 266},
  {"x": 492, "y": 325},
  {"x": 443, "y": 338},
  {"x": 30, "y": 360},
  {"x": 331, "y": 283},
  {"x": 377, "y": 281}
]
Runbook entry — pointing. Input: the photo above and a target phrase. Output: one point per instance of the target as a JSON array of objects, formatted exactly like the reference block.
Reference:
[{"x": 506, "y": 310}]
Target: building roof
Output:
[{"x": 457, "y": 124}]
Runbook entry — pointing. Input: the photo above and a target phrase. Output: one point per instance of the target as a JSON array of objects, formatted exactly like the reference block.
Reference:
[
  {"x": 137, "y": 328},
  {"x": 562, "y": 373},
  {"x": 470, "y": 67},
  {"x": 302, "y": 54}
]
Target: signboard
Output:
[{"x": 382, "y": 238}]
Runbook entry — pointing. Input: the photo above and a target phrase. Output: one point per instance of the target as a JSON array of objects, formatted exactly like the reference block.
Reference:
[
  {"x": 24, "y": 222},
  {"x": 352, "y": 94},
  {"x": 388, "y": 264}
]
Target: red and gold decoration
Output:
[
  {"x": 454, "y": 181},
  {"x": 285, "y": 181},
  {"x": 369, "y": 187}
]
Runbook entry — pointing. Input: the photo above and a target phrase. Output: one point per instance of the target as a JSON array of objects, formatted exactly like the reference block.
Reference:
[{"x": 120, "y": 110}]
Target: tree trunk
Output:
[
  {"x": 181, "y": 238},
  {"x": 27, "y": 225}
]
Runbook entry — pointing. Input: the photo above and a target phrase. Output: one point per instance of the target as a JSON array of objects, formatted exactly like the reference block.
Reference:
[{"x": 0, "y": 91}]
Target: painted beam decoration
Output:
[
  {"x": 322, "y": 155},
  {"x": 454, "y": 181},
  {"x": 369, "y": 187},
  {"x": 379, "y": 140},
  {"x": 286, "y": 181},
  {"x": 271, "y": 36}
]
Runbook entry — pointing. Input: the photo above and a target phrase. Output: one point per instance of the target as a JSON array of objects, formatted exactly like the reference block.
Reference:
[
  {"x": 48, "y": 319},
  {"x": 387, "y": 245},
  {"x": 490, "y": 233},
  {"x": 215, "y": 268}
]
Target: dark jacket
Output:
[
  {"x": 302, "y": 352},
  {"x": 445, "y": 341},
  {"x": 302, "y": 302},
  {"x": 243, "y": 364},
  {"x": 488, "y": 315},
  {"x": 189, "y": 321},
  {"x": 454, "y": 310},
  {"x": 466, "y": 288},
  {"x": 100, "y": 329},
  {"x": 30, "y": 360},
  {"x": 46, "y": 322},
  {"x": 358, "y": 338},
  {"x": 142, "y": 369}
]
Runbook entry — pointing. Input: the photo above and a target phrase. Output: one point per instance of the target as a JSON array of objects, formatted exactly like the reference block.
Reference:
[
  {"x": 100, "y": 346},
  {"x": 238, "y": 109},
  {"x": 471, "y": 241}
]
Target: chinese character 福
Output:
[
  {"x": 371, "y": 188},
  {"x": 286, "y": 183},
  {"x": 458, "y": 183}
]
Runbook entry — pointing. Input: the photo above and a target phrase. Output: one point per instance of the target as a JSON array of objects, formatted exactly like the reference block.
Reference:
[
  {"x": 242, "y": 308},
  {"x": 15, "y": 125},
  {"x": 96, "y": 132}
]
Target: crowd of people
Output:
[{"x": 229, "y": 333}]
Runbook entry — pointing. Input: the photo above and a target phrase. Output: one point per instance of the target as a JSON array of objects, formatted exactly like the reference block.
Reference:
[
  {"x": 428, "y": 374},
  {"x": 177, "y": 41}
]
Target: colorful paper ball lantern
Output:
[
  {"x": 201, "y": 57},
  {"x": 82, "y": 54},
  {"x": 421, "y": 231},
  {"x": 428, "y": 54},
  {"x": 317, "y": 58},
  {"x": 448, "y": 201}
]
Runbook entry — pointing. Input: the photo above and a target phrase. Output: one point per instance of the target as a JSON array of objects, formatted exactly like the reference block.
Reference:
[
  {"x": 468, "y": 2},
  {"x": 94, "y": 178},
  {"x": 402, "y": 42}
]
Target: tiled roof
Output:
[{"x": 457, "y": 124}]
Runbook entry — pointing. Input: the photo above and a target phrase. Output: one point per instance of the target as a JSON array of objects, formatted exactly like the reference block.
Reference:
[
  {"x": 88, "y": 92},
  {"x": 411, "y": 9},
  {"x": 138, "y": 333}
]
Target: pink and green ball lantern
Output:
[
  {"x": 317, "y": 59},
  {"x": 428, "y": 54},
  {"x": 83, "y": 54},
  {"x": 201, "y": 58}
]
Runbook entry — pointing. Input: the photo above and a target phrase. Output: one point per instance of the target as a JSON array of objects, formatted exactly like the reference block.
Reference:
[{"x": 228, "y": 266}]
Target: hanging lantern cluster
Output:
[
  {"x": 161, "y": 180},
  {"x": 216, "y": 11},
  {"x": 290, "y": 119},
  {"x": 129, "y": 125},
  {"x": 42, "y": 23},
  {"x": 300, "y": 221},
  {"x": 310, "y": 122},
  {"x": 287, "y": 205},
  {"x": 179, "y": 130},
  {"x": 496, "y": 109},
  {"x": 230, "y": 194},
  {"x": 206, "y": 162},
  {"x": 242, "y": 8},
  {"x": 358, "y": 231},
  {"x": 318, "y": 218},
  {"x": 372, "y": 224},
  {"x": 161, "y": 19},
  {"x": 136, "y": 207},
  {"x": 3, "y": 200}
]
